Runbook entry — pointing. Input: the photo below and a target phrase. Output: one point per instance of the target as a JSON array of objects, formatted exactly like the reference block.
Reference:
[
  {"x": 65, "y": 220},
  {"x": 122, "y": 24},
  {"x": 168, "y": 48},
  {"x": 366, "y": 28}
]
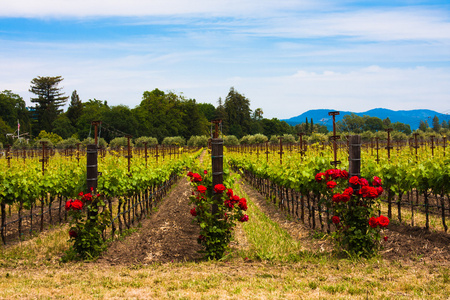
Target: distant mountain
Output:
[{"x": 411, "y": 117}]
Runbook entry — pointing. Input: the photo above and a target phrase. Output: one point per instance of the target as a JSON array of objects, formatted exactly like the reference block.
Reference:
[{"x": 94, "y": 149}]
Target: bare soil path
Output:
[{"x": 166, "y": 235}]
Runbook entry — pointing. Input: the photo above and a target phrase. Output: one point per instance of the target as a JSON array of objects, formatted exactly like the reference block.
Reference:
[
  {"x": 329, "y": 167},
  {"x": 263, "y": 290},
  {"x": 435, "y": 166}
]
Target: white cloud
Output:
[{"x": 96, "y": 8}]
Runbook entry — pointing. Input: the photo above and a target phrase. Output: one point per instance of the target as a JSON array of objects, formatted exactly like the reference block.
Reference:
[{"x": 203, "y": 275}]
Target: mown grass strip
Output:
[{"x": 269, "y": 241}]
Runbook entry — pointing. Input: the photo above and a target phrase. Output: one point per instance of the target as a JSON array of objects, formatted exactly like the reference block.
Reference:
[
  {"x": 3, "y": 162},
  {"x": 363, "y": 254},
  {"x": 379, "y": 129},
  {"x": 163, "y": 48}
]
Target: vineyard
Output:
[{"x": 282, "y": 237}]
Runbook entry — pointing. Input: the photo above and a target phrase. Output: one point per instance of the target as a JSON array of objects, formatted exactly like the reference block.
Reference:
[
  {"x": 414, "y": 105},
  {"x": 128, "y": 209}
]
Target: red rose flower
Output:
[
  {"x": 364, "y": 191},
  {"x": 335, "y": 220},
  {"x": 73, "y": 233},
  {"x": 379, "y": 190},
  {"x": 77, "y": 205},
  {"x": 235, "y": 199},
  {"x": 385, "y": 238},
  {"x": 331, "y": 184},
  {"x": 228, "y": 203},
  {"x": 190, "y": 174},
  {"x": 87, "y": 197},
  {"x": 196, "y": 177},
  {"x": 68, "y": 204},
  {"x": 193, "y": 212},
  {"x": 354, "y": 180},
  {"x": 344, "y": 174},
  {"x": 383, "y": 221},
  {"x": 348, "y": 191},
  {"x": 376, "y": 181},
  {"x": 244, "y": 218},
  {"x": 230, "y": 193},
  {"x": 363, "y": 182},
  {"x": 205, "y": 172},
  {"x": 219, "y": 188},
  {"x": 372, "y": 192},
  {"x": 319, "y": 177},
  {"x": 243, "y": 203},
  {"x": 201, "y": 189},
  {"x": 329, "y": 173},
  {"x": 336, "y": 198},
  {"x": 373, "y": 222},
  {"x": 80, "y": 194},
  {"x": 345, "y": 198}
]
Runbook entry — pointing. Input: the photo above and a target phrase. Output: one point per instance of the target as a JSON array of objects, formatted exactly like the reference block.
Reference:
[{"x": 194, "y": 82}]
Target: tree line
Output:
[{"x": 160, "y": 117}]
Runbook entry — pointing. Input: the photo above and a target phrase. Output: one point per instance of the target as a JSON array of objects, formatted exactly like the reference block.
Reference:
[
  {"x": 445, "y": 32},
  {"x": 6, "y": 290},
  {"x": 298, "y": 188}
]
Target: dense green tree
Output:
[
  {"x": 49, "y": 101},
  {"x": 12, "y": 110},
  {"x": 423, "y": 125},
  {"x": 75, "y": 109},
  {"x": 276, "y": 127},
  {"x": 195, "y": 123},
  {"x": 63, "y": 127},
  {"x": 208, "y": 110},
  {"x": 238, "y": 113},
  {"x": 93, "y": 110},
  {"x": 386, "y": 123},
  {"x": 436, "y": 124},
  {"x": 445, "y": 125},
  {"x": 401, "y": 127},
  {"x": 118, "y": 121},
  {"x": 352, "y": 123},
  {"x": 372, "y": 124},
  {"x": 4, "y": 129}
]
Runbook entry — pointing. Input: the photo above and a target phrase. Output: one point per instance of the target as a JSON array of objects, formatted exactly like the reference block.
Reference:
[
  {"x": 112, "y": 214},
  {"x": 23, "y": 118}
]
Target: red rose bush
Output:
[
  {"x": 354, "y": 205},
  {"x": 216, "y": 210}
]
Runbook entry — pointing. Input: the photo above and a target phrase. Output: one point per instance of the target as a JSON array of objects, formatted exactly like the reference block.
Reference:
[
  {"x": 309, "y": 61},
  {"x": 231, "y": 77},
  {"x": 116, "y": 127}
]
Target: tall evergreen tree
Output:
[
  {"x": 75, "y": 109},
  {"x": 436, "y": 124},
  {"x": 49, "y": 101},
  {"x": 238, "y": 112}
]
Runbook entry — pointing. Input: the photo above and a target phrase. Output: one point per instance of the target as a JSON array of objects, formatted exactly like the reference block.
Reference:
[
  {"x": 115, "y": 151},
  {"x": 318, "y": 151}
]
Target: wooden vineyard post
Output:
[
  {"x": 146, "y": 156},
  {"x": 281, "y": 149},
  {"x": 415, "y": 144},
  {"x": 91, "y": 167},
  {"x": 156, "y": 153},
  {"x": 334, "y": 138},
  {"x": 300, "y": 135},
  {"x": 267, "y": 151},
  {"x": 443, "y": 143},
  {"x": 432, "y": 145},
  {"x": 217, "y": 164},
  {"x": 377, "y": 148},
  {"x": 388, "y": 146},
  {"x": 354, "y": 159},
  {"x": 130, "y": 155}
]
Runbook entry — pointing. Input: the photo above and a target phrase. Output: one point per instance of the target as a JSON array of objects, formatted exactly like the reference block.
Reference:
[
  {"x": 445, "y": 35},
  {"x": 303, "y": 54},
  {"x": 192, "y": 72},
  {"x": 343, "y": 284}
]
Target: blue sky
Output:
[{"x": 286, "y": 56}]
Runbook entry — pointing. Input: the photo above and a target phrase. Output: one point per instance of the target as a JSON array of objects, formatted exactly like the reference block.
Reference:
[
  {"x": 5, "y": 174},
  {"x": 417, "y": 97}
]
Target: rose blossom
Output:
[
  {"x": 354, "y": 180},
  {"x": 193, "y": 212},
  {"x": 373, "y": 222},
  {"x": 244, "y": 218},
  {"x": 205, "y": 172},
  {"x": 68, "y": 204},
  {"x": 363, "y": 182},
  {"x": 335, "y": 220},
  {"x": 376, "y": 181},
  {"x": 337, "y": 198},
  {"x": 331, "y": 184},
  {"x": 76, "y": 205},
  {"x": 385, "y": 238},
  {"x": 383, "y": 221},
  {"x": 243, "y": 203},
  {"x": 201, "y": 189},
  {"x": 73, "y": 233},
  {"x": 230, "y": 193},
  {"x": 196, "y": 177},
  {"x": 318, "y": 177},
  {"x": 219, "y": 188}
]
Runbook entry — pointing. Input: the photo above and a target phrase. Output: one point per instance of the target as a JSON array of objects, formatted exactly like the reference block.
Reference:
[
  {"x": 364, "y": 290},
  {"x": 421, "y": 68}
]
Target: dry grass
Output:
[{"x": 320, "y": 278}]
